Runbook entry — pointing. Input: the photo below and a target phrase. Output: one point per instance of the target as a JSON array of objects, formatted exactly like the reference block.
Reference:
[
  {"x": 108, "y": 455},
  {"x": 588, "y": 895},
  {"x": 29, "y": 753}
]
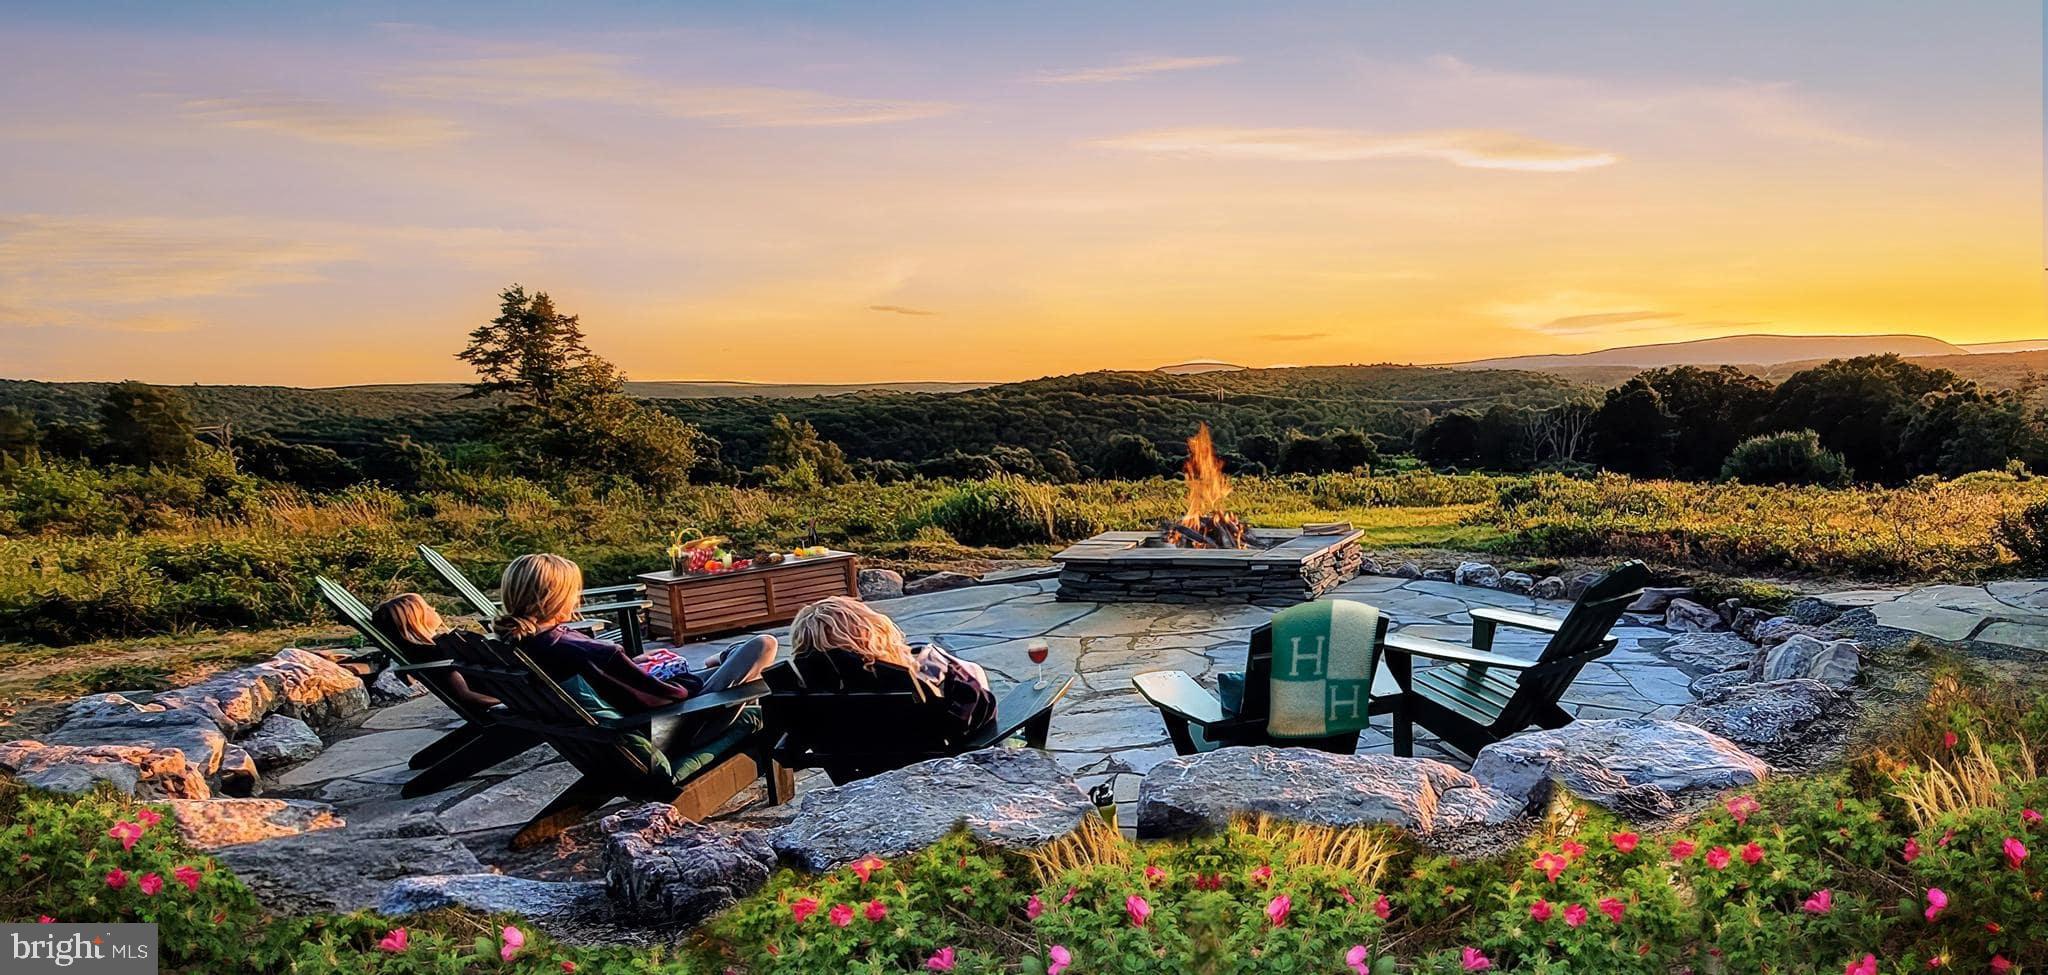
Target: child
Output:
[
  {"x": 842, "y": 644},
  {"x": 409, "y": 619}
]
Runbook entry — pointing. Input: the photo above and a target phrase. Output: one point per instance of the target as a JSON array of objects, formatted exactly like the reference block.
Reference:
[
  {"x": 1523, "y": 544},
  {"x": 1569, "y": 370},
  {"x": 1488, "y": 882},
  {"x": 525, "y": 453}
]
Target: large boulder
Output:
[
  {"x": 391, "y": 687},
  {"x": 144, "y": 772},
  {"x": 880, "y": 583},
  {"x": 1836, "y": 663},
  {"x": 114, "y": 720},
  {"x": 1617, "y": 762},
  {"x": 280, "y": 741},
  {"x": 1654, "y": 598},
  {"x": 1202, "y": 793},
  {"x": 1476, "y": 574},
  {"x": 1548, "y": 587},
  {"x": 1778, "y": 629},
  {"x": 1439, "y": 575},
  {"x": 660, "y": 865},
  {"x": 1406, "y": 570},
  {"x": 297, "y": 682},
  {"x": 1781, "y": 720},
  {"x": 347, "y": 868},
  {"x": 211, "y": 824},
  {"x": 1746, "y": 621},
  {"x": 1009, "y": 797},
  {"x": 1521, "y": 583},
  {"x": 491, "y": 893},
  {"x": 1686, "y": 616},
  {"x": 1709, "y": 651},
  {"x": 938, "y": 582},
  {"x": 1709, "y": 685}
]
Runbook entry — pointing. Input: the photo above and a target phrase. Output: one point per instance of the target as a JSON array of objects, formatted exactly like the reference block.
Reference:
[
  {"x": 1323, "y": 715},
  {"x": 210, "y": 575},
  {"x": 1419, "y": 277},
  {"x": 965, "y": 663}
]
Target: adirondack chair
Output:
[
  {"x": 459, "y": 754},
  {"x": 695, "y": 755},
  {"x": 821, "y": 726},
  {"x": 1475, "y": 697},
  {"x": 622, "y": 604},
  {"x": 1198, "y": 720}
]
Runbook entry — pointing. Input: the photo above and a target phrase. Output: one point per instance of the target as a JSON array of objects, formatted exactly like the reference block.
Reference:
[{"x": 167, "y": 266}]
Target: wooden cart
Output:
[{"x": 689, "y": 606}]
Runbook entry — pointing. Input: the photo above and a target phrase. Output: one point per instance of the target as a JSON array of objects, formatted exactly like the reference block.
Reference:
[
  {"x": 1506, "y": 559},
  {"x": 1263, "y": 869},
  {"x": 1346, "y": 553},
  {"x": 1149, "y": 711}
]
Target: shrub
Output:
[
  {"x": 2025, "y": 532},
  {"x": 1785, "y": 458},
  {"x": 1000, "y": 511}
]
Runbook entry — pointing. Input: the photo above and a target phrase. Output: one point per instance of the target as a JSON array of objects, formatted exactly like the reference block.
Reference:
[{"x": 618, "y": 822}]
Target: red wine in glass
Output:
[{"x": 1037, "y": 650}]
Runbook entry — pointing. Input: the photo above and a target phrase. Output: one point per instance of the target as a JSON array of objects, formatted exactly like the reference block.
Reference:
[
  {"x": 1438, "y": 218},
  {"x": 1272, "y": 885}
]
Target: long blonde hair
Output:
[
  {"x": 846, "y": 623},
  {"x": 408, "y": 618},
  {"x": 538, "y": 591}
]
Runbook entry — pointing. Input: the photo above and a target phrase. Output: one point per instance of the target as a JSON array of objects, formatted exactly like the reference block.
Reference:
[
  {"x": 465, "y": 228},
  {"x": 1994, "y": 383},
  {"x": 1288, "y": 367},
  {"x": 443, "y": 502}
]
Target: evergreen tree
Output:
[{"x": 147, "y": 426}]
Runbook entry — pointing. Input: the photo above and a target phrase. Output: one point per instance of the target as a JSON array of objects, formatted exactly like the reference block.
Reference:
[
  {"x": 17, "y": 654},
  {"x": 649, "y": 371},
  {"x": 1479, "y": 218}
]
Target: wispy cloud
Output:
[
  {"x": 900, "y": 310},
  {"x": 1469, "y": 148},
  {"x": 1602, "y": 321},
  {"x": 1292, "y": 336},
  {"x": 1132, "y": 70},
  {"x": 605, "y": 79},
  {"x": 59, "y": 259},
  {"x": 322, "y": 121}
]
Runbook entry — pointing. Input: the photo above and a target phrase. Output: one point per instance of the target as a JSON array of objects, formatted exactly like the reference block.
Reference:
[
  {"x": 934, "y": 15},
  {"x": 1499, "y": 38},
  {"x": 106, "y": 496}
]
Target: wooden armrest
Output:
[
  {"x": 635, "y": 587},
  {"x": 424, "y": 666},
  {"x": 1024, "y": 702},
  {"x": 733, "y": 696},
  {"x": 624, "y": 604},
  {"x": 1175, "y": 692},
  {"x": 1509, "y": 617},
  {"x": 1422, "y": 646}
]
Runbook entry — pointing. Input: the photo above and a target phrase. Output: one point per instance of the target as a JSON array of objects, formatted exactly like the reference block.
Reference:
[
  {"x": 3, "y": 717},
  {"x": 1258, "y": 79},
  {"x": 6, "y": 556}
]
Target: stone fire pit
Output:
[{"x": 1282, "y": 567}]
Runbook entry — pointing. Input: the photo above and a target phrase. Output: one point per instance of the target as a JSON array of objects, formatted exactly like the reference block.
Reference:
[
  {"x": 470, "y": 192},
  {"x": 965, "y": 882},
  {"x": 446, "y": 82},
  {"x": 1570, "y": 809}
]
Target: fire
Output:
[{"x": 1206, "y": 524}]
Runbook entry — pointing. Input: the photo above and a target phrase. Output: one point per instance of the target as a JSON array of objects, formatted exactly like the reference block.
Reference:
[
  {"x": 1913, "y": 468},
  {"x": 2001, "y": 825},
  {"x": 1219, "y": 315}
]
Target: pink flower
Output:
[
  {"x": 2015, "y": 853},
  {"x": 117, "y": 878},
  {"x": 46, "y": 919},
  {"x": 2030, "y": 817},
  {"x": 394, "y": 942},
  {"x": 127, "y": 833},
  {"x": 1060, "y": 959},
  {"x": 1540, "y": 911},
  {"x": 1139, "y": 909},
  {"x": 1741, "y": 807},
  {"x": 1625, "y": 842},
  {"x": 1382, "y": 908},
  {"x": 877, "y": 910},
  {"x": 1262, "y": 873},
  {"x": 1937, "y": 899},
  {"x": 1822, "y": 901},
  {"x": 1574, "y": 915},
  {"x": 510, "y": 941},
  {"x": 1948, "y": 740},
  {"x": 1572, "y": 849},
  {"x": 1277, "y": 910},
  {"x": 1612, "y": 907},
  {"x": 1356, "y": 959},
  {"x": 803, "y": 909},
  {"x": 1033, "y": 908},
  {"x": 569, "y": 967},
  {"x": 1153, "y": 875},
  {"x": 840, "y": 915},
  {"x": 150, "y": 884},
  {"x": 1068, "y": 897},
  {"x": 149, "y": 817},
  {"x": 1868, "y": 966},
  {"x": 941, "y": 960},
  {"x": 865, "y": 867},
  {"x": 1473, "y": 960},
  {"x": 2000, "y": 964},
  {"x": 187, "y": 876},
  {"x": 1718, "y": 858},
  {"x": 1752, "y": 853},
  {"x": 1681, "y": 849},
  {"x": 1912, "y": 850},
  {"x": 1551, "y": 865}
]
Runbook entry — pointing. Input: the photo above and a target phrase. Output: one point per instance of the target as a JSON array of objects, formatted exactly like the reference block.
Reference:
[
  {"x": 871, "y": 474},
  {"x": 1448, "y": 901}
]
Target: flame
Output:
[{"x": 1207, "y": 487}]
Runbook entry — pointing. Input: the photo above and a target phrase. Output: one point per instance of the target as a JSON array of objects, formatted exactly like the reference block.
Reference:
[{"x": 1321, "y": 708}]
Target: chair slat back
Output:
[
  {"x": 355, "y": 614},
  {"x": 477, "y": 599},
  {"x": 493, "y": 667},
  {"x": 817, "y": 712},
  {"x": 1580, "y": 640}
]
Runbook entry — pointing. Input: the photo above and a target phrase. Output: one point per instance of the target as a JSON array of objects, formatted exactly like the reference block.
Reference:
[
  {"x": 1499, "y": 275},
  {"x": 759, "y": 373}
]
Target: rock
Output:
[
  {"x": 1654, "y": 599},
  {"x": 315, "y": 689},
  {"x": 143, "y": 772},
  {"x": 1687, "y": 616},
  {"x": 114, "y": 720},
  {"x": 491, "y": 893},
  {"x": 1770, "y": 633},
  {"x": 210, "y": 824},
  {"x": 1774, "y": 719},
  {"x": 1835, "y": 663},
  {"x": 1709, "y": 651},
  {"x": 1811, "y": 611},
  {"x": 1580, "y": 583},
  {"x": 1009, "y": 797},
  {"x": 1712, "y": 684},
  {"x": 1746, "y": 620},
  {"x": 1438, "y": 575},
  {"x": 937, "y": 582},
  {"x": 880, "y": 583},
  {"x": 392, "y": 687},
  {"x": 659, "y": 864},
  {"x": 1202, "y": 793},
  {"x": 1368, "y": 566},
  {"x": 281, "y": 741},
  {"x": 1407, "y": 570},
  {"x": 1727, "y": 608},
  {"x": 236, "y": 701},
  {"x": 1548, "y": 587},
  {"x": 347, "y": 868},
  {"x": 1610, "y": 761},
  {"x": 237, "y": 775},
  {"x": 1476, "y": 574},
  {"x": 1517, "y": 582}
]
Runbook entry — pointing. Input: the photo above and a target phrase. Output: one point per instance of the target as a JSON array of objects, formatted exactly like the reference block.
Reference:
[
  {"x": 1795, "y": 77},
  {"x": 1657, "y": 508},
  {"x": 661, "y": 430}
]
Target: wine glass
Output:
[{"x": 1038, "y": 650}]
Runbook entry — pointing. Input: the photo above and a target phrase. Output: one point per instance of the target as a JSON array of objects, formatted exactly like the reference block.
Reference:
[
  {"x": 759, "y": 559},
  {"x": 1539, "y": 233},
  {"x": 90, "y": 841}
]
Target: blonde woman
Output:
[
  {"x": 841, "y": 644},
  {"x": 408, "y": 618},
  {"x": 540, "y": 593}
]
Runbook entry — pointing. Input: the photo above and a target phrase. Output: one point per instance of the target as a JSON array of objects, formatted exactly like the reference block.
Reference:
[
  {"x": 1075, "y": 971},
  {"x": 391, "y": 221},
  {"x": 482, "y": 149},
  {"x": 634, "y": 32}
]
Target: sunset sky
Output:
[{"x": 799, "y": 192}]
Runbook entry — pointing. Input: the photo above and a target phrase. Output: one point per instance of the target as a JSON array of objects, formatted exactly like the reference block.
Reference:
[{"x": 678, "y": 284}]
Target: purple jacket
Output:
[{"x": 563, "y": 653}]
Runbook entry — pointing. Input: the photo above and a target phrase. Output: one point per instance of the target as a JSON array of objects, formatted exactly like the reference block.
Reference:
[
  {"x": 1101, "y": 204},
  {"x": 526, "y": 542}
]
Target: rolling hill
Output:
[{"x": 1741, "y": 350}]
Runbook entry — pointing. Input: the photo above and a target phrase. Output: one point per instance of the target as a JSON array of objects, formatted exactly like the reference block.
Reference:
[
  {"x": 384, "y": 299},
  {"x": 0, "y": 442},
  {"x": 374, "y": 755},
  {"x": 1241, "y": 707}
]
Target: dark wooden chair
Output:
[
  {"x": 695, "y": 755},
  {"x": 1197, "y": 720},
  {"x": 459, "y": 754},
  {"x": 819, "y": 725},
  {"x": 1475, "y": 697},
  {"x": 620, "y": 606}
]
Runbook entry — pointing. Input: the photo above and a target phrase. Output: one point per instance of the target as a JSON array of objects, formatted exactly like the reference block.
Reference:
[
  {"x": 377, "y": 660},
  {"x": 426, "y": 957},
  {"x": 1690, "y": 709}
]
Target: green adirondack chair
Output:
[
  {"x": 695, "y": 755},
  {"x": 1199, "y": 721},
  {"x": 619, "y": 605},
  {"x": 1474, "y": 697},
  {"x": 459, "y": 754}
]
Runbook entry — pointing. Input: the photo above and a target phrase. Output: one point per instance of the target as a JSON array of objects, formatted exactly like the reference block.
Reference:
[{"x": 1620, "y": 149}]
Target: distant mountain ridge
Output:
[{"x": 1740, "y": 350}]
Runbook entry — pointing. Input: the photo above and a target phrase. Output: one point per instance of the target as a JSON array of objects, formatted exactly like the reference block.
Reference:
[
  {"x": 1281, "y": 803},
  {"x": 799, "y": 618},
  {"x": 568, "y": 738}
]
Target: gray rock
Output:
[
  {"x": 1548, "y": 587},
  {"x": 237, "y": 775},
  {"x": 114, "y": 720},
  {"x": 297, "y": 682},
  {"x": 344, "y": 869},
  {"x": 281, "y": 741},
  {"x": 1712, "y": 684},
  {"x": 1476, "y": 574},
  {"x": 1746, "y": 620},
  {"x": 139, "y": 771},
  {"x": 1775, "y": 719},
  {"x": 1686, "y": 616},
  {"x": 1727, "y": 608},
  {"x": 491, "y": 893},
  {"x": 1407, "y": 570},
  {"x": 1778, "y": 629},
  {"x": 937, "y": 582},
  {"x": 1438, "y": 575},
  {"x": 1518, "y": 582},
  {"x": 1368, "y": 566},
  {"x": 880, "y": 583},
  {"x": 659, "y": 864},
  {"x": 391, "y": 687},
  {"x": 211, "y": 824},
  {"x": 1835, "y": 663},
  {"x": 1654, "y": 598},
  {"x": 1202, "y": 793},
  {"x": 1609, "y": 761},
  {"x": 1009, "y": 797},
  {"x": 1811, "y": 611},
  {"x": 1709, "y": 651},
  {"x": 1580, "y": 583}
]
